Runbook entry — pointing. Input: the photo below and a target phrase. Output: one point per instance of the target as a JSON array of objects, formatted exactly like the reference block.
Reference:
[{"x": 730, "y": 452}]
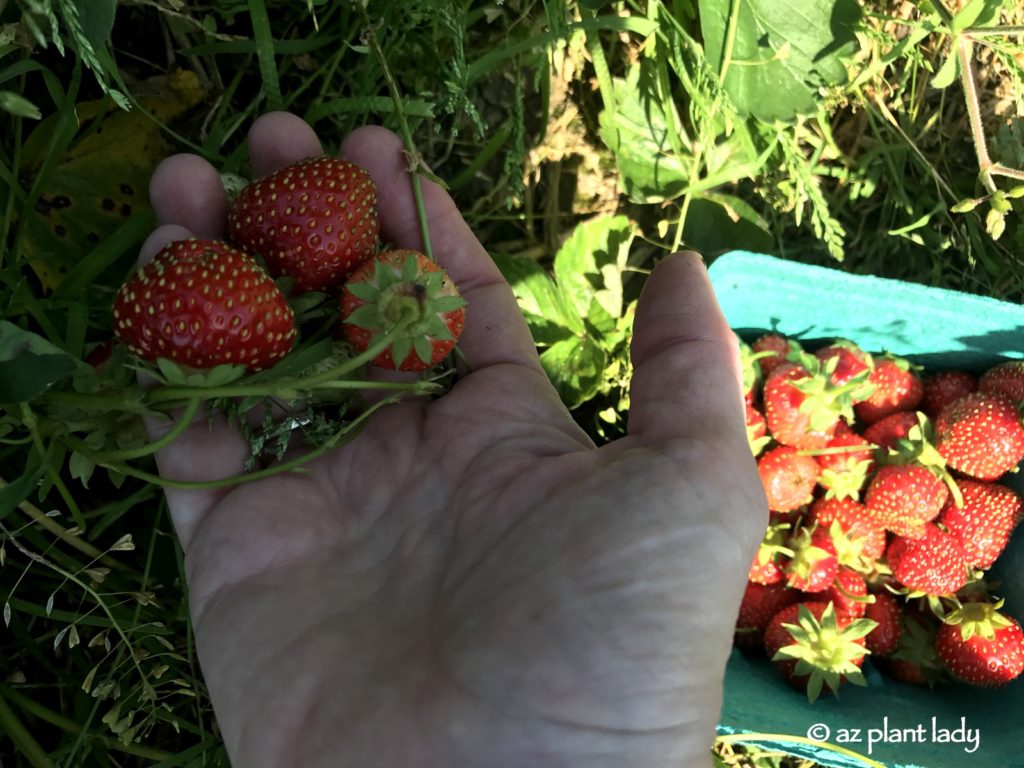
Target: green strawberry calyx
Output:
[
  {"x": 978, "y": 619},
  {"x": 824, "y": 401},
  {"x": 918, "y": 448},
  {"x": 407, "y": 303},
  {"x": 824, "y": 650}
]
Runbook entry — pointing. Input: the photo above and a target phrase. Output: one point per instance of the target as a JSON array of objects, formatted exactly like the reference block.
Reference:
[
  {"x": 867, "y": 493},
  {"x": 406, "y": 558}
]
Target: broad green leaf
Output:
[
  {"x": 588, "y": 270},
  {"x": 719, "y": 223},
  {"x": 948, "y": 72},
  {"x": 782, "y": 52},
  {"x": 636, "y": 132},
  {"x": 29, "y": 364},
  {"x": 576, "y": 368},
  {"x": 97, "y": 19},
  {"x": 101, "y": 181},
  {"x": 539, "y": 298},
  {"x": 977, "y": 13}
]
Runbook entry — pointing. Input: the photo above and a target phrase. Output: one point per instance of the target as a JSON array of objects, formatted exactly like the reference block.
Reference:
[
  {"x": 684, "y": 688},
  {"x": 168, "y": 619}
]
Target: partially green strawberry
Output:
[
  {"x": 760, "y": 603},
  {"x": 788, "y": 478},
  {"x": 407, "y": 295},
  {"x": 945, "y": 387},
  {"x": 203, "y": 303},
  {"x": 1005, "y": 379},
  {"x": 981, "y": 435},
  {"x": 933, "y": 564},
  {"x": 981, "y": 646},
  {"x": 315, "y": 220},
  {"x": 897, "y": 387},
  {"x": 813, "y": 647},
  {"x": 984, "y": 523}
]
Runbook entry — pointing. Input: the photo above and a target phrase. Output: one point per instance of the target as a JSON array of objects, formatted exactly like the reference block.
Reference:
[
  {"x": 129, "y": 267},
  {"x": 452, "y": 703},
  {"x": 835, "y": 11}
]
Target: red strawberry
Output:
[
  {"x": 889, "y": 429},
  {"x": 99, "y": 356},
  {"x": 931, "y": 565},
  {"x": 981, "y": 435},
  {"x": 984, "y": 522},
  {"x": 777, "y": 346},
  {"x": 845, "y": 468},
  {"x": 945, "y": 387},
  {"x": 315, "y": 220},
  {"x": 403, "y": 286},
  {"x": 850, "y": 361},
  {"x": 903, "y": 497},
  {"x": 814, "y": 565},
  {"x": 204, "y": 303},
  {"x": 766, "y": 567},
  {"x": 886, "y": 612},
  {"x": 757, "y": 430},
  {"x": 848, "y": 593},
  {"x": 1005, "y": 379},
  {"x": 861, "y": 540},
  {"x": 751, "y": 369},
  {"x": 985, "y": 648},
  {"x": 760, "y": 603},
  {"x": 813, "y": 647},
  {"x": 803, "y": 407},
  {"x": 897, "y": 388},
  {"x": 788, "y": 478}
]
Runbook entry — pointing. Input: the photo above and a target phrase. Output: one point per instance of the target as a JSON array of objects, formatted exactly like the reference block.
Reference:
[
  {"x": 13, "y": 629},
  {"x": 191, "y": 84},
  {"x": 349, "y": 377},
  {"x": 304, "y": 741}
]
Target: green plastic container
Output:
[{"x": 891, "y": 723}]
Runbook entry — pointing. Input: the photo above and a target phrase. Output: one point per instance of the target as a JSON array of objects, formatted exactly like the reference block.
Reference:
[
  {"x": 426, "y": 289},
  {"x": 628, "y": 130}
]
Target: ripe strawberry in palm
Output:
[
  {"x": 886, "y": 612},
  {"x": 813, "y": 647},
  {"x": 203, "y": 303},
  {"x": 980, "y": 435},
  {"x": 1005, "y": 379},
  {"x": 803, "y": 407},
  {"x": 814, "y": 564},
  {"x": 403, "y": 294},
  {"x": 981, "y": 646},
  {"x": 788, "y": 478},
  {"x": 945, "y": 387},
  {"x": 934, "y": 564},
  {"x": 760, "y": 603},
  {"x": 315, "y": 220},
  {"x": 897, "y": 387},
  {"x": 902, "y": 498},
  {"x": 984, "y": 523}
]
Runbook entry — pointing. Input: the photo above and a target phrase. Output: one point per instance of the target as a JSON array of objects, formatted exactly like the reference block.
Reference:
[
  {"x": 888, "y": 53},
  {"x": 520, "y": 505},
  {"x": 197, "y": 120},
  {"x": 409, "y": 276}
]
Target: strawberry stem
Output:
[
  {"x": 145, "y": 450},
  {"x": 410, "y": 147}
]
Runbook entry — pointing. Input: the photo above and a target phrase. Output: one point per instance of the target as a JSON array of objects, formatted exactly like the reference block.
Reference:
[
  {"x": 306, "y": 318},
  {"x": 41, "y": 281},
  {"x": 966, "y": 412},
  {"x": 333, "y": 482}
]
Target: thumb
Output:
[{"x": 686, "y": 377}]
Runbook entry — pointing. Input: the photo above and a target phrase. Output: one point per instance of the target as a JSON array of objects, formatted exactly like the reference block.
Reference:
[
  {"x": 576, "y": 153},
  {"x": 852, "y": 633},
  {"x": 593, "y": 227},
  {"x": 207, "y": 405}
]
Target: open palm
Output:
[{"x": 470, "y": 582}]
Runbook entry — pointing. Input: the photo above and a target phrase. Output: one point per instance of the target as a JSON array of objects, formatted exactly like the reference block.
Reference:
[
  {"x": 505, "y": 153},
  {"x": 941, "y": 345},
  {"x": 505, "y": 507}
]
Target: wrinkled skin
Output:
[{"x": 471, "y": 582}]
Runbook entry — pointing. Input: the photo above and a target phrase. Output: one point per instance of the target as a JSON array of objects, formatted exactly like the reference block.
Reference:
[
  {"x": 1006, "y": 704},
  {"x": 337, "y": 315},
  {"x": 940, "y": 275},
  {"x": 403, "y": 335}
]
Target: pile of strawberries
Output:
[
  {"x": 886, "y": 514},
  {"x": 204, "y": 303}
]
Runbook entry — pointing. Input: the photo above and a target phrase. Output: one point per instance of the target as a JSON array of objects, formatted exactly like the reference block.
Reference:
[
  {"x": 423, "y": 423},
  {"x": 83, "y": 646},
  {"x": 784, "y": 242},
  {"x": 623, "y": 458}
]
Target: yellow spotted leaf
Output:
[{"x": 102, "y": 179}]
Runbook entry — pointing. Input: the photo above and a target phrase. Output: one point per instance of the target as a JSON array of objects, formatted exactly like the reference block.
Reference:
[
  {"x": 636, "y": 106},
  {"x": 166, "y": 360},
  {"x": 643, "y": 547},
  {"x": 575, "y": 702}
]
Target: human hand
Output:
[{"x": 470, "y": 582}]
